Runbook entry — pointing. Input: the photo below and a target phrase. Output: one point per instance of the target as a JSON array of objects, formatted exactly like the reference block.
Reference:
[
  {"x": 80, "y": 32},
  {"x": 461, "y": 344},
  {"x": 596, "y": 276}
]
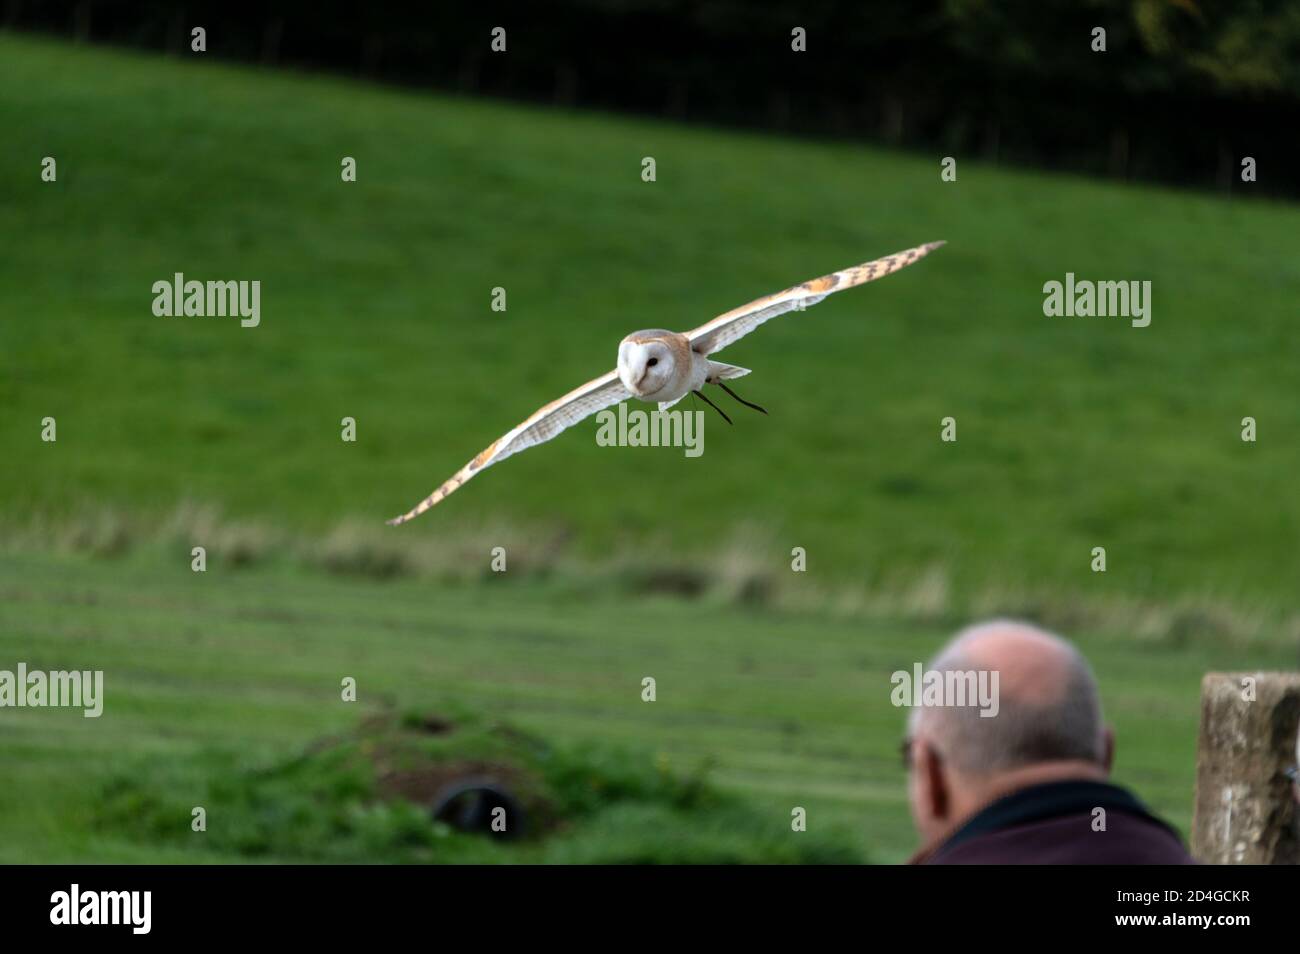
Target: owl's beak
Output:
[{"x": 633, "y": 385}]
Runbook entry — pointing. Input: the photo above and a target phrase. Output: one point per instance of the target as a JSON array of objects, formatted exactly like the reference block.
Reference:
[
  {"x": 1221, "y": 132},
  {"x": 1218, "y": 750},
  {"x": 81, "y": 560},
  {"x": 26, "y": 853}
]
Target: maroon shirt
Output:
[{"x": 1053, "y": 824}]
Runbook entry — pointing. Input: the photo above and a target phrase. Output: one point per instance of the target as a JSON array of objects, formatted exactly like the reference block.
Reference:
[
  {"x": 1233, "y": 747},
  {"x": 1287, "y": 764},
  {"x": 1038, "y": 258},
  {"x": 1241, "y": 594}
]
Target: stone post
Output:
[{"x": 1245, "y": 813}]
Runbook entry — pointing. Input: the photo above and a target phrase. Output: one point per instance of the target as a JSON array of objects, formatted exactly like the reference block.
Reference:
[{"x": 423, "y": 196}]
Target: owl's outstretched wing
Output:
[
  {"x": 735, "y": 324},
  {"x": 547, "y": 422}
]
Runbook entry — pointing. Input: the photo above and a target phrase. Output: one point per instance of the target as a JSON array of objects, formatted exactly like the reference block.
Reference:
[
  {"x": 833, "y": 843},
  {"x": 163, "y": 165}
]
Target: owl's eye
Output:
[{"x": 652, "y": 362}]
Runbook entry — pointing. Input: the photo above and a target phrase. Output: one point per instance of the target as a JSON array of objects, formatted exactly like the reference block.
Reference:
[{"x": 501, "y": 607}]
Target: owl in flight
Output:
[{"x": 664, "y": 366}]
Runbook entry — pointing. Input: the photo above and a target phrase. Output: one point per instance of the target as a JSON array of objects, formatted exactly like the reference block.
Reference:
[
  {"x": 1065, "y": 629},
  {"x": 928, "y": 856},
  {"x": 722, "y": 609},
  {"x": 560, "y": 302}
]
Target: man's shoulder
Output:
[
  {"x": 1065, "y": 823},
  {"x": 1071, "y": 840}
]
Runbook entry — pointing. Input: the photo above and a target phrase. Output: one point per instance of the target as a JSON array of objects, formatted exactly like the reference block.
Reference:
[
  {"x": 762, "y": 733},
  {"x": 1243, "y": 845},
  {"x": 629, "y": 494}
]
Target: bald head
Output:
[{"x": 1048, "y": 706}]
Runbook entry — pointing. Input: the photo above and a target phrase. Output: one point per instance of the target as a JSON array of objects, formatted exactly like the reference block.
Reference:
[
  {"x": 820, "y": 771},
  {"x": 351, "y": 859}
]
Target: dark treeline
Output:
[{"x": 1185, "y": 90}]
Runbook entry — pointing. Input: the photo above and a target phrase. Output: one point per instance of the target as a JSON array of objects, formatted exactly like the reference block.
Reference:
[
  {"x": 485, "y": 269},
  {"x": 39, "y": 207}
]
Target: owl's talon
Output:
[
  {"x": 714, "y": 406},
  {"x": 741, "y": 399}
]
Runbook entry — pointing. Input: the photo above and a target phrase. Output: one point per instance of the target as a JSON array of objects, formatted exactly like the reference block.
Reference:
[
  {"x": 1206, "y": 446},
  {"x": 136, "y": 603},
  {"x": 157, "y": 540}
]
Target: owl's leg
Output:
[
  {"x": 738, "y": 397},
  {"x": 712, "y": 405}
]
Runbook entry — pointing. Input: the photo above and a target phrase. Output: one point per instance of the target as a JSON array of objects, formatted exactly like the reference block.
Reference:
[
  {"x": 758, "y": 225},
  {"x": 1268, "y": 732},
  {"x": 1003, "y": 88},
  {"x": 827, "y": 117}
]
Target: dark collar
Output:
[{"x": 1049, "y": 800}]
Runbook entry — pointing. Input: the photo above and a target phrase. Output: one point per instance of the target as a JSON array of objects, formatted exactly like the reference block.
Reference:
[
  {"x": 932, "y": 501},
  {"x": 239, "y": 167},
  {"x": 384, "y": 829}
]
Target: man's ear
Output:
[
  {"x": 934, "y": 786},
  {"x": 1107, "y": 748}
]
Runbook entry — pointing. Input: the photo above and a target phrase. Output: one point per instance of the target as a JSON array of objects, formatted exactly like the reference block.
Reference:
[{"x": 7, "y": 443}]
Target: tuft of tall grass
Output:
[{"x": 749, "y": 568}]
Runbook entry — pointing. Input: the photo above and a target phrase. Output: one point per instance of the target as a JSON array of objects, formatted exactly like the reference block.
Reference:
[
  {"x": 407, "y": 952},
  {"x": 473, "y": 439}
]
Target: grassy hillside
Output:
[
  {"x": 790, "y": 710},
  {"x": 1071, "y": 433},
  {"x": 623, "y": 563}
]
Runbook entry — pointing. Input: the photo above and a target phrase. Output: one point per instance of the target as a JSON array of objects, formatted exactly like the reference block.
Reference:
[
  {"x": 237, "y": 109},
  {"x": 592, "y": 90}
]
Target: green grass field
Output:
[
  {"x": 791, "y": 709},
  {"x": 173, "y": 432}
]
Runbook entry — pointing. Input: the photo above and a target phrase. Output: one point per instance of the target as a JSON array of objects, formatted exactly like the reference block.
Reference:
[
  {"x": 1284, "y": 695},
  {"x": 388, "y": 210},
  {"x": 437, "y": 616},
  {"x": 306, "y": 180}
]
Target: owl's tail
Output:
[{"x": 724, "y": 372}]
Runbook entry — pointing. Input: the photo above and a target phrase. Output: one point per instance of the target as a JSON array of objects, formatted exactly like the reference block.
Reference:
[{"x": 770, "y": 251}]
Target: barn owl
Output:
[{"x": 662, "y": 367}]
